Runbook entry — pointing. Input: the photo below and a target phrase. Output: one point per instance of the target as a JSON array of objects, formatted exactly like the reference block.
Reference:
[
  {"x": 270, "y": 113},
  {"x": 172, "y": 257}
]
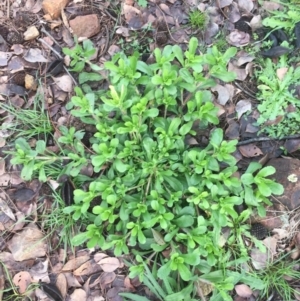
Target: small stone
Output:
[
  {"x": 85, "y": 26},
  {"x": 31, "y": 33},
  {"x": 30, "y": 82},
  {"x": 54, "y": 7}
]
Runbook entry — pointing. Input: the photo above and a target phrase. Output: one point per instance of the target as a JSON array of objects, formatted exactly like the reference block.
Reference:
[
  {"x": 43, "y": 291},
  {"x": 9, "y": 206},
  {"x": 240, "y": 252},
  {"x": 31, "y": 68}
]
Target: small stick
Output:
[
  {"x": 258, "y": 139},
  {"x": 59, "y": 56},
  {"x": 50, "y": 36}
]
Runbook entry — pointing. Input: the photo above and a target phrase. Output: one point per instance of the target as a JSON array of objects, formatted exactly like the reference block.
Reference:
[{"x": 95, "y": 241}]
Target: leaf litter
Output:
[{"x": 94, "y": 276}]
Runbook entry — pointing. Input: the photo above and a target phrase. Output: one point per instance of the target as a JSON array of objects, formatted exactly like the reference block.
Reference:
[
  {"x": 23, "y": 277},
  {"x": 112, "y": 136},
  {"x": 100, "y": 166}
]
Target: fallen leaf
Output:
[
  {"x": 5, "y": 208},
  {"x": 75, "y": 263},
  {"x": 259, "y": 259},
  {"x": 22, "y": 281},
  {"x": 28, "y": 243},
  {"x": 256, "y": 22},
  {"x": 281, "y": 72},
  {"x": 292, "y": 145},
  {"x": 64, "y": 83},
  {"x": 250, "y": 150},
  {"x": 4, "y": 58},
  {"x": 243, "y": 290},
  {"x": 242, "y": 107},
  {"x": 109, "y": 264},
  {"x": 223, "y": 94},
  {"x": 238, "y": 38},
  {"x": 34, "y": 55},
  {"x": 78, "y": 295},
  {"x": 106, "y": 278},
  {"x": 62, "y": 285},
  {"x": 246, "y": 5},
  {"x": 224, "y": 3}
]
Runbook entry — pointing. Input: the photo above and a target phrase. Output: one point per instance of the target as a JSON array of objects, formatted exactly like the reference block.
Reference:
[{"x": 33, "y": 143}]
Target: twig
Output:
[
  {"x": 51, "y": 48},
  {"x": 107, "y": 41},
  {"x": 258, "y": 139},
  {"x": 241, "y": 88},
  {"x": 59, "y": 56},
  {"x": 219, "y": 7},
  {"x": 166, "y": 24},
  {"x": 50, "y": 36},
  {"x": 8, "y": 8}
]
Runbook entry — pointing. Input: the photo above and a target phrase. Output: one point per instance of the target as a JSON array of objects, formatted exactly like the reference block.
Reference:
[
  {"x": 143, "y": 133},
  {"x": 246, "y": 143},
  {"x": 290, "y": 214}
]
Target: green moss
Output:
[{"x": 198, "y": 19}]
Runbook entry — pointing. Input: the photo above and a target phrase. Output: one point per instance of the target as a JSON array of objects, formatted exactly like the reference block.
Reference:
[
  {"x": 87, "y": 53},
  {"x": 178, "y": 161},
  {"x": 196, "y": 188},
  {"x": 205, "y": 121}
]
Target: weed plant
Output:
[
  {"x": 27, "y": 122},
  {"x": 157, "y": 197},
  {"x": 279, "y": 106},
  {"x": 198, "y": 19},
  {"x": 275, "y": 276}
]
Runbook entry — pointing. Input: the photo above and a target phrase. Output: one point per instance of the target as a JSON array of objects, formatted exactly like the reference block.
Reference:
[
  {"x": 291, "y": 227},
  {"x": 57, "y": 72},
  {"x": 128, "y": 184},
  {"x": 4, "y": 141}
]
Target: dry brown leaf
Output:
[
  {"x": 75, "y": 263},
  {"x": 5, "y": 208},
  {"x": 61, "y": 283},
  {"x": 98, "y": 256},
  {"x": 241, "y": 73},
  {"x": 34, "y": 55},
  {"x": 243, "y": 290},
  {"x": 72, "y": 280},
  {"x": 109, "y": 264},
  {"x": 105, "y": 279},
  {"x": 22, "y": 280},
  {"x": 87, "y": 268},
  {"x": 243, "y": 57},
  {"x": 242, "y": 107},
  {"x": 259, "y": 259},
  {"x": 271, "y": 243},
  {"x": 223, "y": 94},
  {"x": 269, "y": 5},
  {"x": 281, "y": 72},
  {"x": 250, "y": 150},
  {"x": 5, "y": 57},
  {"x": 246, "y": 5},
  {"x": 224, "y": 3},
  {"x": 78, "y": 295},
  {"x": 64, "y": 83},
  {"x": 40, "y": 271},
  {"x": 238, "y": 38},
  {"x": 256, "y": 22}
]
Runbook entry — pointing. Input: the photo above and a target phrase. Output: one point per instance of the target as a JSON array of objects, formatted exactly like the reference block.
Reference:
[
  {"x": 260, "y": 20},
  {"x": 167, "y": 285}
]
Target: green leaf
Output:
[
  {"x": 247, "y": 179},
  {"x": 276, "y": 188},
  {"x": 133, "y": 297},
  {"x": 264, "y": 189},
  {"x": 216, "y": 137},
  {"x": 89, "y": 76},
  {"x": 184, "y": 130},
  {"x": 178, "y": 54},
  {"x": 193, "y": 44},
  {"x": 120, "y": 166},
  {"x": 40, "y": 146},
  {"x": 184, "y": 272},
  {"x": 184, "y": 221},
  {"x": 266, "y": 171},
  {"x": 157, "y": 80},
  {"x": 79, "y": 239}
]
